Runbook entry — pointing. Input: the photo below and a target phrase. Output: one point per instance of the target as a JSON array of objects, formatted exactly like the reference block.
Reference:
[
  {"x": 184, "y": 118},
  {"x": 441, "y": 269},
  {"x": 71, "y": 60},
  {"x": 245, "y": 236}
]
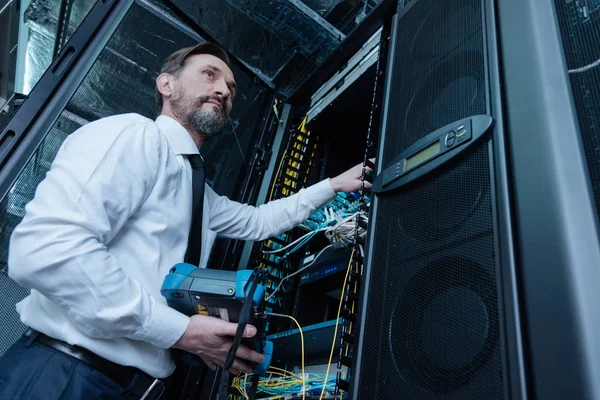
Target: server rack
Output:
[{"x": 288, "y": 152}]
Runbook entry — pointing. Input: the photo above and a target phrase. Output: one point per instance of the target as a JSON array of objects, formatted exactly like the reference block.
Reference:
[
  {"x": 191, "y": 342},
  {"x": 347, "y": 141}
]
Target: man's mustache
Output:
[{"x": 204, "y": 99}]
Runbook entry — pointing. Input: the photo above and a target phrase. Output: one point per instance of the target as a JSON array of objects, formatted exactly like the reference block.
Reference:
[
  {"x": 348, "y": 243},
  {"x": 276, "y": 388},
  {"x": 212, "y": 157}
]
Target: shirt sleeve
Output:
[
  {"x": 240, "y": 221},
  {"x": 100, "y": 178}
]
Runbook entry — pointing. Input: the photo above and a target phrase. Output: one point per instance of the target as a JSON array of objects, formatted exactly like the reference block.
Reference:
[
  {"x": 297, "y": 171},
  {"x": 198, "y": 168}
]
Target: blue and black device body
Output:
[{"x": 220, "y": 294}]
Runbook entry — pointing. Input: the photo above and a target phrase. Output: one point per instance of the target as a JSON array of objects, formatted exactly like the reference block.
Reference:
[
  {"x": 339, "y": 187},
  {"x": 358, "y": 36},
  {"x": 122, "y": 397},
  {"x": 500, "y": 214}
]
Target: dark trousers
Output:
[{"x": 31, "y": 371}]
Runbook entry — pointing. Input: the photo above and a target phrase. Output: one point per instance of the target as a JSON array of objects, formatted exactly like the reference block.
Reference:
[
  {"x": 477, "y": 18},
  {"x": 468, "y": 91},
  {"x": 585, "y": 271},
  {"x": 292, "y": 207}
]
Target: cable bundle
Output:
[
  {"x": 340, "y": 235},
  {"x": 281, "y": 383},
  {"x": 344, "y": 203},
  {"x": 345, "y": 232}
]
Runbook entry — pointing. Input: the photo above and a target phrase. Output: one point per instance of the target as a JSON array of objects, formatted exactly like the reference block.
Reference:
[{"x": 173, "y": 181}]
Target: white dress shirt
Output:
[{"x": 107, "y": 223}]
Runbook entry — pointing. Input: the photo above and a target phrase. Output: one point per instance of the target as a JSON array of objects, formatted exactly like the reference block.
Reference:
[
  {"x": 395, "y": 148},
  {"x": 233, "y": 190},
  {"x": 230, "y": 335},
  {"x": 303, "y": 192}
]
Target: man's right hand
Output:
[{"x": 211, "y": 338}]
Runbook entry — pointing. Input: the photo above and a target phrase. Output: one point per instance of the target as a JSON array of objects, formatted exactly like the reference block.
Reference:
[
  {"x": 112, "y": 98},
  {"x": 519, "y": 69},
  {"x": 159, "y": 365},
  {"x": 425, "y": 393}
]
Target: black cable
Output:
[
  {"x": 254, "y": 388},
  {"x": 237, "y": 339},
  {"x": 369, "y": 142},
  {"x": 238, "y": 142}
]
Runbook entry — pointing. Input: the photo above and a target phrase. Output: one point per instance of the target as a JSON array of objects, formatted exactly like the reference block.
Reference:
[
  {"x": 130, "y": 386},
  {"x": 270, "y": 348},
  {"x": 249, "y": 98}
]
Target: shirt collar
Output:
[{"x": 180, "y": 140}]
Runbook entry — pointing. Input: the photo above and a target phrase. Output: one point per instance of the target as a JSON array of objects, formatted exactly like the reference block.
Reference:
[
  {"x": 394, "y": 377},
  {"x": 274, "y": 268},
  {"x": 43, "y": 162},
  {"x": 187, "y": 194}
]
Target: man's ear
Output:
[{"x": 163, "y": 84}]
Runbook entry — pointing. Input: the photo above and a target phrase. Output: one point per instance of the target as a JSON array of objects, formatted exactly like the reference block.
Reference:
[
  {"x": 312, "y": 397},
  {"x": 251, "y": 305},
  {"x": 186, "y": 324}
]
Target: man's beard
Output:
[{"x": 193, "y": 116}]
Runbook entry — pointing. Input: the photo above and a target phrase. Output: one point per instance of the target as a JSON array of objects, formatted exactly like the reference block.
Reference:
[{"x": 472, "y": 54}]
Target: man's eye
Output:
[{"x": 209, "y": 74}]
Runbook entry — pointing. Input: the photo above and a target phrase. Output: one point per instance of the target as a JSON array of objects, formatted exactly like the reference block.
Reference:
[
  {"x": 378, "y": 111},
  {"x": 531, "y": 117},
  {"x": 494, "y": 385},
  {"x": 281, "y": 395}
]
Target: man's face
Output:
[{"x": 203, "y": 94}]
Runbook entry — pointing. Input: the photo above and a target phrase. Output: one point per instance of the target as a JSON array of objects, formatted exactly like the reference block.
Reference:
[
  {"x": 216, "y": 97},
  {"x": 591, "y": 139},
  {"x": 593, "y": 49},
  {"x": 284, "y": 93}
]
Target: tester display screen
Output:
[{"x": 422, "y": 156}]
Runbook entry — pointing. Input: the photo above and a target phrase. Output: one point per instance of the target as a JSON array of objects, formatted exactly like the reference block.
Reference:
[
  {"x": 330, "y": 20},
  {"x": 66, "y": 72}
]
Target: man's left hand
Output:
[{"x": 350, "y": 180}]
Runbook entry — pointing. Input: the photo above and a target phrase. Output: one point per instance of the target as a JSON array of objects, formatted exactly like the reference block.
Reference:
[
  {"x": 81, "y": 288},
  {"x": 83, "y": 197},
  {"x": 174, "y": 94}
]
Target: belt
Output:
[{"x": 133, "y": 380}]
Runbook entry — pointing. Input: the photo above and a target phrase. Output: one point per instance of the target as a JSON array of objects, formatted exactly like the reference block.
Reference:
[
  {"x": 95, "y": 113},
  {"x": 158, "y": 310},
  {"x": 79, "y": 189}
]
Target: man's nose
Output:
[{"x": 222, "y": 89}]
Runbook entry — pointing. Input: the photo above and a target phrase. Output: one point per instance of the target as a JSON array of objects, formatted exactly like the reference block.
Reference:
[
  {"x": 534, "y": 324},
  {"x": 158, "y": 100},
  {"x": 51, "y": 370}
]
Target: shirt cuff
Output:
[
  {"x": 165, "y": 327},
  {"x": 320, "y": 193}
]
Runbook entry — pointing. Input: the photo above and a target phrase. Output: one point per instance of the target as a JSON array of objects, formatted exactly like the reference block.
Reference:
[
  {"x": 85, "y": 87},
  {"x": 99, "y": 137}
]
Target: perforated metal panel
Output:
[
  {"x": 432, "y": 318},
  {"x": 438, "y": 70},
  {"x": 12, "y": 210},
  {"x": 433, "y": 321},
  {"x": 580, "y": 31},
  {"x": 11, "y": 328}
]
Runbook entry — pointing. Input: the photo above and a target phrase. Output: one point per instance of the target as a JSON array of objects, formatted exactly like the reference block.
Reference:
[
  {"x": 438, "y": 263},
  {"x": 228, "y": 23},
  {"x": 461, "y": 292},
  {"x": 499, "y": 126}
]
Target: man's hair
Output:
[{"x": 175, "y": 63}]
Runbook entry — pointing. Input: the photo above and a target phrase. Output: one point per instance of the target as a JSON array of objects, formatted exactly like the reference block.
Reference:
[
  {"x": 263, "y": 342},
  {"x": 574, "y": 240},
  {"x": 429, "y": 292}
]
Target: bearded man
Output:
[{"x": 113, "y": 215}]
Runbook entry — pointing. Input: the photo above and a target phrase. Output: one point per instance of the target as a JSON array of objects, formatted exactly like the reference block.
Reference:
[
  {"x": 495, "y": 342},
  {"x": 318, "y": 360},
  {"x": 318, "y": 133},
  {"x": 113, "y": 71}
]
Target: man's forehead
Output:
[{"x": 197, "y": 60}]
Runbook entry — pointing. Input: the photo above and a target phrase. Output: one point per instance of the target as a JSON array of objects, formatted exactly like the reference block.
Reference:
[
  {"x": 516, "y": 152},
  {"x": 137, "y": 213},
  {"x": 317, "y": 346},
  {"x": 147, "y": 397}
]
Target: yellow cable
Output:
[
  {"x": 281, "y": 369},
  {"x": 286, "y": 379},
  {"x": 277, "y": 174},
  {"x": 302, "y": 342},
  {"x": 240, "y": 388},
  {"x": 302, "y": 127},
  {"x": 337, "y": 320}
]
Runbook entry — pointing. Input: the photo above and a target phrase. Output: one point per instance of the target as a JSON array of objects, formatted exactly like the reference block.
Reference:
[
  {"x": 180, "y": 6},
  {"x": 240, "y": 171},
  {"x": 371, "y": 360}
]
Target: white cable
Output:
[
  {"x": 344, "y": 233},
  {"x": 586, "y": 68},
  {"x": 293, "y": 243},
  {"x": 297, "y": 272}
]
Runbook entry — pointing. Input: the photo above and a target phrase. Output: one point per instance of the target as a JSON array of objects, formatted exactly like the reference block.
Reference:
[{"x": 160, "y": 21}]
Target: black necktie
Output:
[{"x": 192, "y": 255}]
